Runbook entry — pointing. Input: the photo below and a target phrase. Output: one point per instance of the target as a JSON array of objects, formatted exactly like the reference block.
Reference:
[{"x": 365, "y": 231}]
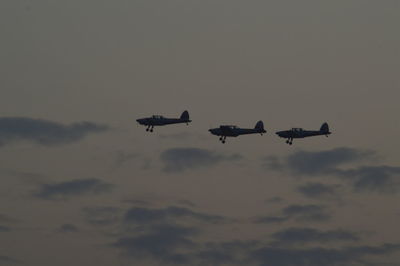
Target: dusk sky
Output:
[{"x": 83, "y": 184}]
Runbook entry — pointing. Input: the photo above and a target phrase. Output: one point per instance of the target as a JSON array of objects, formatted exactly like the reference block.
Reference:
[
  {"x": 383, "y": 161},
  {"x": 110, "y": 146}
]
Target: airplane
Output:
[
  {"x": 296, "y": 133},
  {"x": 233, "y": 131},
  {"x": 159, "y": 120}
]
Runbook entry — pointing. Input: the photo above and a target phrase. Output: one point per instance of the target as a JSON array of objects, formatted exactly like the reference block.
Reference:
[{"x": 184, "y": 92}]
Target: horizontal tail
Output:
[
  {"x": 185, "y": 115},
  {"x": 260, "y": 127}
]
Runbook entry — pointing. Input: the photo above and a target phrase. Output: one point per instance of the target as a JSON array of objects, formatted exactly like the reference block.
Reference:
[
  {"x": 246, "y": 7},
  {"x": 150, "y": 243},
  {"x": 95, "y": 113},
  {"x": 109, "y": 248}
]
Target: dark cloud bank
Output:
[
  {"x": 380, "y": 178},
  {"x": 180, "y": 159},
  {"x": 160, "y": 236},
  {"x": 44, "y": 132}
]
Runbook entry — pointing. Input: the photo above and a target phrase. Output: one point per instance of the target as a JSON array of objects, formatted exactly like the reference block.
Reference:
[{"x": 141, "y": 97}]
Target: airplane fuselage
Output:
[
  {"x": 290, "y": 134},
  {"x": 234, "y": 132},
  {"x": 161, "y": 121}
]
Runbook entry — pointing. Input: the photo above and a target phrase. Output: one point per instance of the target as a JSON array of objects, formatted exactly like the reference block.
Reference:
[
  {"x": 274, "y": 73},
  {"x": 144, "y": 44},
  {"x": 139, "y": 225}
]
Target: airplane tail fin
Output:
[
  {"x": 185, "y": 115},
  {"x": 325, "y": 128},
  {"x": 260, "y": 127}
]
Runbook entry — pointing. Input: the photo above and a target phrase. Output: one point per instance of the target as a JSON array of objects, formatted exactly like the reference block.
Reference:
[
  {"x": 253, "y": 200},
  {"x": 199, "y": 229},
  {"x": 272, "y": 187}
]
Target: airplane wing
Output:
[{"x": 226, "y": 130}]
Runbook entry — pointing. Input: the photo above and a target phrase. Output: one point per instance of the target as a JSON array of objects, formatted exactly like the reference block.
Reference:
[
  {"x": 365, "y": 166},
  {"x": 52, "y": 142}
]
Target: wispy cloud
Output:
[
  {"x": 44, "y": 132},
  {"x": 68, "y": 228},
  {"x": 274, "y": 200},
  {"x": 180, "y": 159},
  {"x": 71, "y": 188},
  {"x": 4, "y": 228},
  {"x": 303, "y": 235},
  {"x": 101, "y": 216},
  {"x": 147, "y": 215},
  {"x": 6, "y": 260},
  {"x": 306, "y": 213},
  {"x": 6, "y": 219},
  {"x": 318, "y": 190}
]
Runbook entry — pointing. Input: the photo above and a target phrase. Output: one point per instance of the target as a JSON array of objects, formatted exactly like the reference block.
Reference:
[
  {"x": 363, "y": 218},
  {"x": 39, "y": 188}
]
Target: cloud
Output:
[
  {"x": 102, "y": 216},
  {"x": 374, "y": 178},
  {"x": 146, "y": 215},
  {"x": 187, "y": 203},
  {"x": 380, "y": 178},
  {"x": 68, "y": 228},
  {"x": 7, "y": 260},
  {"x": 44, "y": 132},
  {"x": 302, "y": 213},
  {"x": 274, "y": 256},
  {"x": 312, "y": 163},
  {"x": 268, "y": 254},
  {"x": 161, "y": 234},
  {"x": 122, "y": 157},
  {"x": 316, "y": 163},
  {"x": 271, "y": 219},
  {"x": 75, "y": 187},
  {"x": 164, "y": 242},
  {"x": 233, "y": 252},
  {"x": 318, "y": 190},
  {"x": 180, "y": 159},
  {"x": 175, "y": 244},
  {"x": 303, "y": 235},
  {"x": 6, "y": 219},
  {"x": 275, "y": 200},
  {"x": 307, "y": 212},
  {"x": 4, "y": 228},
  {"x": 157, "y": 238}
]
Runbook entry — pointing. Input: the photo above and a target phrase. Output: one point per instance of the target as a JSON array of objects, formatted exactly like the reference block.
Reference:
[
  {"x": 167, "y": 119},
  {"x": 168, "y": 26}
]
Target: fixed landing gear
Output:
[
  {"x": 150, "y": 128},
  {"x": 289, "y": 141},
  {"x": 222, "y": 139}
]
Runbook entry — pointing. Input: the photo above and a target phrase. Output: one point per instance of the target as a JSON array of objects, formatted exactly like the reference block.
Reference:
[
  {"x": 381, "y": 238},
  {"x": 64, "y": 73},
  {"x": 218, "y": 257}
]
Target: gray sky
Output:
[{"x": 83, "y": 184}]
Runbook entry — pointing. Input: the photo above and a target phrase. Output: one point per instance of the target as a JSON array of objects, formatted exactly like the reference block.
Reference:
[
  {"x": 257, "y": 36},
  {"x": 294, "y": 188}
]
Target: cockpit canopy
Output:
[
  {"x": 229, "y": 126},
  {"x": 297, "y": 129},
  {"x": 157, "y": 116}
]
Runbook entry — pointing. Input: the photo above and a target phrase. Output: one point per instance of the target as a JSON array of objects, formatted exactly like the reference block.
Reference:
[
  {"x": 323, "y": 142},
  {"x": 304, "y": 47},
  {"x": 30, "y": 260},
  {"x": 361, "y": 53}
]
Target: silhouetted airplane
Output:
[
  {"x": 298, "y": 133},
  {"x": 158, "y": 120},
  {"x": 234, "y": 131}
]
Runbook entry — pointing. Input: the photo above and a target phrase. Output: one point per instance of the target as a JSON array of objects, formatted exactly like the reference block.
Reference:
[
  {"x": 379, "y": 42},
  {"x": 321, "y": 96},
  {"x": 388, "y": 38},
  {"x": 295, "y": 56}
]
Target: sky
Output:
[{"x": 83, "y": 184}]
